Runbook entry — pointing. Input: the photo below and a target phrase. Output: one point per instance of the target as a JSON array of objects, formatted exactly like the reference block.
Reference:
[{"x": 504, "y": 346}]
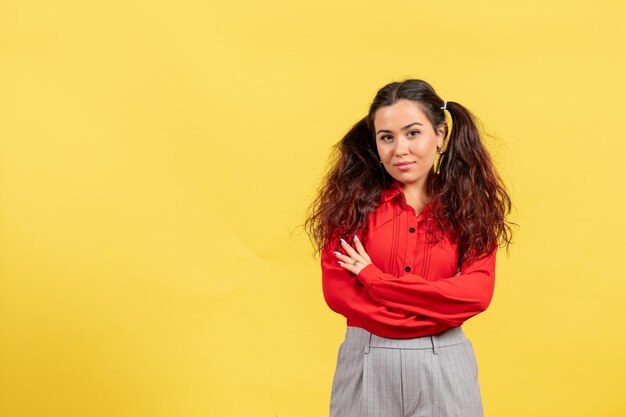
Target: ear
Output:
[{"x": 441, "y": 133}]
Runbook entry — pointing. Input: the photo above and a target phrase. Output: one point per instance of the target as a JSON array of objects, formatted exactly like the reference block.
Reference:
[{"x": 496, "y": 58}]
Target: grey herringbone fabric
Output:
[{"x": 430, "y": 376}]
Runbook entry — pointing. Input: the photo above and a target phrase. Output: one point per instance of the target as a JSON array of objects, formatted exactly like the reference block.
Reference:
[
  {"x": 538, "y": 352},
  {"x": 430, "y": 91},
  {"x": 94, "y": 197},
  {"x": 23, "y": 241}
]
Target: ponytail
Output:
[
  {"x": 350, "y": 190},
  {"x": 475, "y": 198}
]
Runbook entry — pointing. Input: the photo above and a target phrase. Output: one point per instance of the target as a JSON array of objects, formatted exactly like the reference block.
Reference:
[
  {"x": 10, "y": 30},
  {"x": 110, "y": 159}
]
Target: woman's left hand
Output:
[{"x": 356, "y": 260}]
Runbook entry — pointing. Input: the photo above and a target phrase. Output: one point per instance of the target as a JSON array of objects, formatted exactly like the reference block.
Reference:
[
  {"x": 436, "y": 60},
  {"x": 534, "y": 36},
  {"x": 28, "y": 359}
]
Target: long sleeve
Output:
[
  {"x": 345, "y": 295},
  {"x": 451, "y": 300}
]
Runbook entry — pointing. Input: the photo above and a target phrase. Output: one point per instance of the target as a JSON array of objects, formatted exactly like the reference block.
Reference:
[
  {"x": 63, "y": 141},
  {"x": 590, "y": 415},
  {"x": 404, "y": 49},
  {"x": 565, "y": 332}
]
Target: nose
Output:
[{"x": 401, "y": 147}]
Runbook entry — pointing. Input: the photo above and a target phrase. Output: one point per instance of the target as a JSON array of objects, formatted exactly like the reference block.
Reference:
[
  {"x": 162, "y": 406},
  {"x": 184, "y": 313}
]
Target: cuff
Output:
[{"x": 367, "y": 274}]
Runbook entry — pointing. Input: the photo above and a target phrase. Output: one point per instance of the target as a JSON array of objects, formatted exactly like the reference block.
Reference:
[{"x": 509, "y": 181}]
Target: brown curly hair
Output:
[{"x": 471, "y": 196}]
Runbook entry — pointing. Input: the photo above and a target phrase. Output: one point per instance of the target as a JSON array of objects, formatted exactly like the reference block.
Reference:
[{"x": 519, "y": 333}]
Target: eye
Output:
[
  {"x": 385, "y": 136},
  {"x": 414, "y": 132}
]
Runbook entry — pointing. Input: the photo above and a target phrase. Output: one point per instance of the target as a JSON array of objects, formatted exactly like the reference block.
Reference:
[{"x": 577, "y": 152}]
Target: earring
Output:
[
  {"x": 440, "y": 151},
  {"x": 381, "y": 161}
]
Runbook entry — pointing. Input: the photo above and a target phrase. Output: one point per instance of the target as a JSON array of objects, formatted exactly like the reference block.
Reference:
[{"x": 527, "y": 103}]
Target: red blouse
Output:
[{"x": 411, "y": 288}]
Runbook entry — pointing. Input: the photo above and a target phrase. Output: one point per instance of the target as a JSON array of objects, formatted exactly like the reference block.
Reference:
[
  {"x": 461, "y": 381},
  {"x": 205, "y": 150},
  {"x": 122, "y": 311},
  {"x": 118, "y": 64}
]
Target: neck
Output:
[{"x": 416, "y": 196}]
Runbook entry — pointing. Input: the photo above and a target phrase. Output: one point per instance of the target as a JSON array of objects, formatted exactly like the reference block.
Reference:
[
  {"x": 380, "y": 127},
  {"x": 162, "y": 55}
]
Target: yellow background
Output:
[{"x": 158, "y": 157}]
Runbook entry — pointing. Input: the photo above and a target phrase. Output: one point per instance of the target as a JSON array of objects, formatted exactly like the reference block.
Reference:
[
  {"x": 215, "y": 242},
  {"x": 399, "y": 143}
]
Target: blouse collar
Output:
[
  {"x": 392, "y": 191},
  {"x": 396, "y": 188}
]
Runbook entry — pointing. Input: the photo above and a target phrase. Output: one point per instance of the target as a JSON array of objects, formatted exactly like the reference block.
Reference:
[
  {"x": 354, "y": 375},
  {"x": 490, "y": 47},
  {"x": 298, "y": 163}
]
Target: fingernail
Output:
[
  {"x": 336, "y": 253},
  {"x": 356, "y": 238},
  {"x": 343, "y": 241}
]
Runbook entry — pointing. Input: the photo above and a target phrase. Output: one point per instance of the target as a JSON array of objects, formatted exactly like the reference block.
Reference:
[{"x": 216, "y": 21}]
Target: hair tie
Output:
[{"x": 445, "y": 103}]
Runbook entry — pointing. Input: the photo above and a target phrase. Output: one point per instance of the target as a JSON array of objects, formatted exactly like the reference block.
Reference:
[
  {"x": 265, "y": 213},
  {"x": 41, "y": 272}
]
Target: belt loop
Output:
[
  {"x": 366, "y": 350},
  {"x": 433, "y": 339}
]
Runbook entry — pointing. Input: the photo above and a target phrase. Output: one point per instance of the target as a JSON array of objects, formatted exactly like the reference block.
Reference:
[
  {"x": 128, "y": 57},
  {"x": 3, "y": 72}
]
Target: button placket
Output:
[{"x": 411, "y": 240}]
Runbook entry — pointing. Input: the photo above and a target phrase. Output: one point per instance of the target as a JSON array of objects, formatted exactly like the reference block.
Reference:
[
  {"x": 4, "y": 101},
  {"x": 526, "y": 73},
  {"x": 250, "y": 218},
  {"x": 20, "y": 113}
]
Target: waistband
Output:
[{"x": 361, "y": 337}]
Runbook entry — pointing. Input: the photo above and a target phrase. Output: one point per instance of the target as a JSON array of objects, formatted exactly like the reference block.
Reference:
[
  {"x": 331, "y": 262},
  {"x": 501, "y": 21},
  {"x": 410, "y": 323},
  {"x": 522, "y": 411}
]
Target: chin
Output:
[
  {"x": 408, "y": 176},
  {"x": 408, "y": 179}
]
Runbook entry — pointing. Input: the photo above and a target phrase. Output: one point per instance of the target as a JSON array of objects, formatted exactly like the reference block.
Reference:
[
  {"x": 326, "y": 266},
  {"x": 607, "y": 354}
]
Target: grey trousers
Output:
[{"x": 430, "y": 376}]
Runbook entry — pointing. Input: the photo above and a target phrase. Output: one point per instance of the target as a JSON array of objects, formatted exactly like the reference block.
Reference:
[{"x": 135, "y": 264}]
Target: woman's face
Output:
[{"x": 406, "y": 141}]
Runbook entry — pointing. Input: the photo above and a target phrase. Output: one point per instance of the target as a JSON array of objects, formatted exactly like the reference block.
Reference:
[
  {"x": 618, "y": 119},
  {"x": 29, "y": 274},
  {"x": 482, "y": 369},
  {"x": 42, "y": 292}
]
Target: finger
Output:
[
  {"x": 348, "y": 266},
  {"x": 353, "y": 254},
  {"x": 344, "y": 258},
  {"x": 359, "y": 247},
  {"x": 348, "y": 260}
]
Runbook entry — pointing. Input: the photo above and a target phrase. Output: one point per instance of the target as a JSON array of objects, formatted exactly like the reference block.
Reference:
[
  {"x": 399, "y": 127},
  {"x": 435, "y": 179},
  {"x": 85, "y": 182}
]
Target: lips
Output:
[{"x": 405, "y": 166}]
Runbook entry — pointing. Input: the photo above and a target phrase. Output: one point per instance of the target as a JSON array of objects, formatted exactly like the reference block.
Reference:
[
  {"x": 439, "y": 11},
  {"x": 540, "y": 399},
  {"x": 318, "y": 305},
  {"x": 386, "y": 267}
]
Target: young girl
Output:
[{"x": 408, "y": 221}]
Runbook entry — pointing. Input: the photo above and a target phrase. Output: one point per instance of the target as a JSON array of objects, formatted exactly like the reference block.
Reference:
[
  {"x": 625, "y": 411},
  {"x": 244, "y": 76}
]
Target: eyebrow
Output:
[{"x": 405, "y": 127}]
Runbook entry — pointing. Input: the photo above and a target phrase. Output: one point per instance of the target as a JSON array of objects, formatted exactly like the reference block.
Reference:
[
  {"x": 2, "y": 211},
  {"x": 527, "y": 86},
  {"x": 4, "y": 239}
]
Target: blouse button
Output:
[
  {"x": 411, "y": 229},
  {"x": 407, "y": 268}
]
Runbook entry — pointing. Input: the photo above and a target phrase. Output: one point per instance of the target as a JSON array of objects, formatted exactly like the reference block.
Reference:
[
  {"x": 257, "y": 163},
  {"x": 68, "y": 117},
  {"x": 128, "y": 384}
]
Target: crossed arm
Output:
[{"x": 364, "y": 290}]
